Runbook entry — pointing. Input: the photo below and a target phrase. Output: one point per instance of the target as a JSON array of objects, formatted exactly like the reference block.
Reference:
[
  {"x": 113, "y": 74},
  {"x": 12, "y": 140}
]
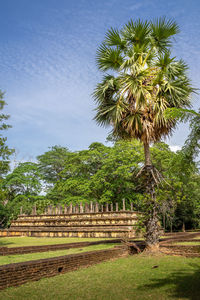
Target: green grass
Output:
[
  {"x": 9, "y": 259},
  {"x": 34, "y": 241},
  {"x": 122, "y": 279},
  {"x": 187, "y": 243}
]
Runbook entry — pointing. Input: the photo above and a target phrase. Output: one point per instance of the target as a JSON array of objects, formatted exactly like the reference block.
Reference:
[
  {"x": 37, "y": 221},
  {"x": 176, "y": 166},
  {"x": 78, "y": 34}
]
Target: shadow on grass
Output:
[
  {"x": 184, "y": 284},
  {"x": 4, "y": 243}
]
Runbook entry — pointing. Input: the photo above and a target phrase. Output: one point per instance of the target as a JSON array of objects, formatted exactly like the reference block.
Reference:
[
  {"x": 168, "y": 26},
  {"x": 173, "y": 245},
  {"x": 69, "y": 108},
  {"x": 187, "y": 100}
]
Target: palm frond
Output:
[
  {"x": 180, "y": 114},
  {"x": 161, "y": 32},
  {"x": 113, "y": 38},
  {"x": 136, "y": 32},
  {"x": 108, "y": 58}
]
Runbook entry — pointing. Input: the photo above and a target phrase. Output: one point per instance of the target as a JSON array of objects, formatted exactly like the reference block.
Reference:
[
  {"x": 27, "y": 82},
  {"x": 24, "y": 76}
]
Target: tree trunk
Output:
[
  {"x": 152, "y": 226},
  {"x": 164, "y": 225},
  {"x": 147, "y": 155},
  {"x": 183, "y": 227}
]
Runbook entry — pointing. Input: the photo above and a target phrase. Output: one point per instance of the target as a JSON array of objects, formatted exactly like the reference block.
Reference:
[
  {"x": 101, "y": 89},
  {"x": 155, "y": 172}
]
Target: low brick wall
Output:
[
  {"x": 185, "y": 249},
  {"x": 19, "y": 273},
  {"x": 31, "y": 249}
]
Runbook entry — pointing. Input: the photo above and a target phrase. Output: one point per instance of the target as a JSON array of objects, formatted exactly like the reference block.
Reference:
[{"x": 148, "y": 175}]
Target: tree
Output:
[
  {"x": 192, "y": 146},
  {"x": 144, "y": 81},
  {"x": 25, "y": 179},
  {"x": 101, "y": 174},
  {"x": 23, "y": 187},
  {"x": 51, "y": 163},
  {"x": 5, "y": 151}
]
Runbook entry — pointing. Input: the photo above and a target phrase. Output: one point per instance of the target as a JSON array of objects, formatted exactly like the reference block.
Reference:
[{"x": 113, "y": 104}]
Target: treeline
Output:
[{"x": 104, "y": 174}]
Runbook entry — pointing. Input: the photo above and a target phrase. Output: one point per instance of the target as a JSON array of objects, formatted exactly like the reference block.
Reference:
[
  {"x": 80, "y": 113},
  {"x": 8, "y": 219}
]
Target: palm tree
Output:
[{"x": 143, "y": 81}]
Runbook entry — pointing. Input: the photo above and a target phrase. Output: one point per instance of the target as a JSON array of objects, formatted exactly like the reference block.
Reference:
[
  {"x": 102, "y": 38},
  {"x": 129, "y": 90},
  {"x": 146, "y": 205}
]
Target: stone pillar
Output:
[
  {"x": 53, "y": 211},
  {"x": 111, "y": 207},
  {"x": 81, "y": 207},
  {"x": 87, "y": 208},
  {"x": 131, "y": 206},
  {"x": 60, "y": 210},
  {"x": 21, "y": 210},
  {"x": 65, "y": 209},
  {"x": 116, "y": 206},
  {"x": 73, "y": 209},
  {"x": 124, "y": 206},
  {"x": 96, "y": 207},
  {"x": 91, "y": 206},
  {"x": 107, "y": 208},
  {"x": 34, "y": 211},
  {"x": 49, "y": 209},
  {"x": 57, "y": 209},
  {"x": 77, "y": 209},
  {"x": 101, "y": 207},
  {"x": 70, "y": 208}
]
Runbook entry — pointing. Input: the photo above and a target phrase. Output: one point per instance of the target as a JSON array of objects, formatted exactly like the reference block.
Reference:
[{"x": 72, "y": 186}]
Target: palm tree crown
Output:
[{"x": 143, "y": 80}]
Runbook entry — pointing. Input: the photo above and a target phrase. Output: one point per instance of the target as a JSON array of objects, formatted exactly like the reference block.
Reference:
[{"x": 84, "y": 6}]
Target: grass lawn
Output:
[
  {"x": 9, "y": 259},
  {"x": 135, "y": 277},
  {"x": 188, "y": 243},
  {"x": 34, "y": 241}
]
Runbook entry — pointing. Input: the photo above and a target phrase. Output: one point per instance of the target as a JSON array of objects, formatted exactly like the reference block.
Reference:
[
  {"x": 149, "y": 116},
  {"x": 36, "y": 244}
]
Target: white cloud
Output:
[{"x": 175, "y": 148}]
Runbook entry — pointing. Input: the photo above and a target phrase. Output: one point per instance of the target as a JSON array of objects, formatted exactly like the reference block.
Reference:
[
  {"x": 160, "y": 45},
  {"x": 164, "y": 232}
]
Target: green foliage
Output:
[
  {"x": 107, "y": 174},
  {"x": 102, "y": 174},
  {"x": 5, "y": 151},
  {"x": 192, "y": 144},
  {"x": 51, "y": 163},
  {"x": 24, "y": 180},
  {"x": 22, "y": 188}
]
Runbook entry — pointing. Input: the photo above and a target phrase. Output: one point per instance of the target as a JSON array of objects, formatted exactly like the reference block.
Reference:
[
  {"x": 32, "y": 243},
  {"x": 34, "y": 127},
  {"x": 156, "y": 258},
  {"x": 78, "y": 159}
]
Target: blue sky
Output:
[{"x": 48, "y": 71}]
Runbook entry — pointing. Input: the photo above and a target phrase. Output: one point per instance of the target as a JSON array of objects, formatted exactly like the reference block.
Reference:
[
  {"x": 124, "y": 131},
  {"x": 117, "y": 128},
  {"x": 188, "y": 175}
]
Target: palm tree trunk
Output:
[
  {"x": 147, "y": 154},
  {"x": 152, "y": 227}
]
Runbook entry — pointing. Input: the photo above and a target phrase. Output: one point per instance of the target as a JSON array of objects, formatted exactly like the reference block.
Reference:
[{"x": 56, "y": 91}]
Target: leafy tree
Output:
[
  {"x": 101, "y": 174},
  {"x": 23, "y": 187},
  {"x": 5, "y": 153},
  {"x": 192, "y": 146},
  {"x": 144, "y": 81},
  {"x": 74, "y": 183},
  {"x": 24, "y": 180},
  {"x": 51, "y": 163}
]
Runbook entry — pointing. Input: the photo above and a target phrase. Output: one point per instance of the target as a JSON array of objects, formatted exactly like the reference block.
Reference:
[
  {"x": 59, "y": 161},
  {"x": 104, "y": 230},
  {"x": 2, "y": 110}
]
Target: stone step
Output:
[
  {"x": 66, "y": 228},
  {"x": 82, "y": 215},
  {"x": 78, "y": 234},
  {"x": 75, "y": 223},
  {"x": 61, "y": 218}
]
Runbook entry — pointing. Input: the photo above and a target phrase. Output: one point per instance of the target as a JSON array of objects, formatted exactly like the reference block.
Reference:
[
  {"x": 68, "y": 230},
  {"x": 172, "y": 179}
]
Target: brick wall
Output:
[
  {"x": 184, "y": 249},
  {"x": 19, "y": 273}
]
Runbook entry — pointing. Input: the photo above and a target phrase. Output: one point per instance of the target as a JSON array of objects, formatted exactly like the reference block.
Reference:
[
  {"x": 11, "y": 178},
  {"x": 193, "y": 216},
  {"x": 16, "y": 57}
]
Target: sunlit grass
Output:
[
  {"x": 34, "y": 241},
  {"x": 9, "y": 259},
  {"x": 138, "y": 277},
  {"x": 187, "y": 243}
]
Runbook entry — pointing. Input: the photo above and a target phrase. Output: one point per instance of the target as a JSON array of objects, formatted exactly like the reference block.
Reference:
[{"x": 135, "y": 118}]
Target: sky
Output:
[{"x": 48, "y": 69}]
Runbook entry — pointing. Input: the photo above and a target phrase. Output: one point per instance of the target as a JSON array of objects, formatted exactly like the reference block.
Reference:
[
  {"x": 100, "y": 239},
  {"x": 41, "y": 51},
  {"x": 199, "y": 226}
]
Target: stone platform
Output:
[{"x": 76, "y": 222}]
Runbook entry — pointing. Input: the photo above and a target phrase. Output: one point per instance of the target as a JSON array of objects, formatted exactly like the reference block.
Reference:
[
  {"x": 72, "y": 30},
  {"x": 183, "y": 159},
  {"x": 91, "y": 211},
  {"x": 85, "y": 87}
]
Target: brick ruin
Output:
[
  {"x": 20, "y": 273},
  {"x": 89, "y": 220}
]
